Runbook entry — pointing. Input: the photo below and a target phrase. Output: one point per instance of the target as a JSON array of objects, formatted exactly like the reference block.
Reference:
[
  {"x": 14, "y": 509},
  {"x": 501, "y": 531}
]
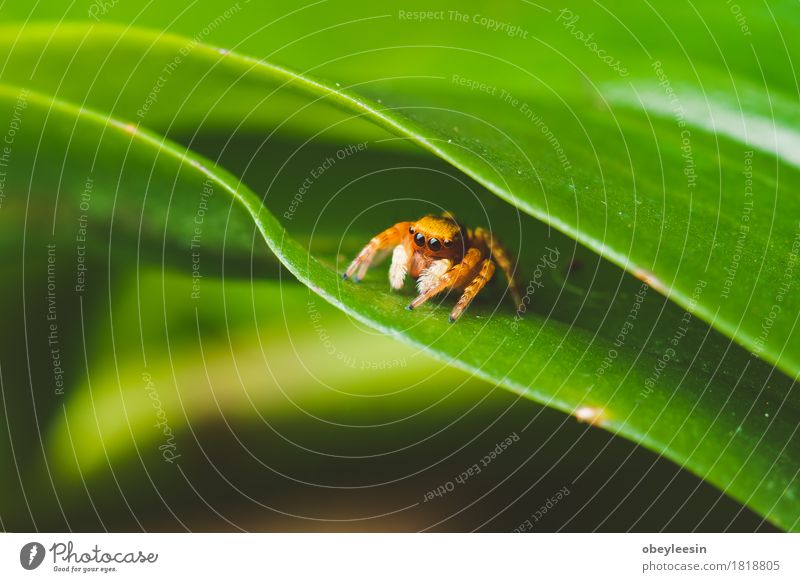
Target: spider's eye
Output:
[
  {"x": 419, "y": 239},
  {"x": 411, "y": 229},
  {"x": 434, "y": 244},
  {"x": 448, "y": 242}
]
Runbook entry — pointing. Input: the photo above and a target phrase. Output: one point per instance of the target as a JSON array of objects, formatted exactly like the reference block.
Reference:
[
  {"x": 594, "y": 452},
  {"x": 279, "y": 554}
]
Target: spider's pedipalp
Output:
[
  {"x": 472, "y": 289},
  {"x": 430, "y": 277},
  {"x": 388, "y": 238},
  {"x": 401, "y": 259}
]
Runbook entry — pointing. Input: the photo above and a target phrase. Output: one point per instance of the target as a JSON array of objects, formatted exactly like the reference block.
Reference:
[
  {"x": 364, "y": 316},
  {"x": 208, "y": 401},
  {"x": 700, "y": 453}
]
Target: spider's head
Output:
[{"x": 437, "y": 237}]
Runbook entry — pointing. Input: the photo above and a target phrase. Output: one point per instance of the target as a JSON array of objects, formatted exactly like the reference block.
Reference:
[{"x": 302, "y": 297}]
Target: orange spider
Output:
[{"x": 441, "y": 254}]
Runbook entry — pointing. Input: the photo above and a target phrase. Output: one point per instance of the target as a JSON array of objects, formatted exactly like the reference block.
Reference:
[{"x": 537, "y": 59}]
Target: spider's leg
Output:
[
  {"x": 503, "y": 259},
  {"x": 378, "y": 258},
  {"x": 472, "y": 289},
  {"x": 451, "y": 278},
  {"x": 388, "y": 238}
]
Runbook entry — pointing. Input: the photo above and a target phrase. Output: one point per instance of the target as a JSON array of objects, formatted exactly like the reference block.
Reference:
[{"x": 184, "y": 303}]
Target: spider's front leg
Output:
[
  {"x": 451, "y": 278},
  {"x": 388, "y": 238}
]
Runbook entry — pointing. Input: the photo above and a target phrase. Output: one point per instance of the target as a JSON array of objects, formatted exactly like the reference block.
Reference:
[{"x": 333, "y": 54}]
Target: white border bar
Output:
[{"x": 404, "y": 557}]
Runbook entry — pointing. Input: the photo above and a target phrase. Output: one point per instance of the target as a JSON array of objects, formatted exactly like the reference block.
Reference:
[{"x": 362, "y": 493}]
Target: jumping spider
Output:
[{"x": 441, "y": 254}]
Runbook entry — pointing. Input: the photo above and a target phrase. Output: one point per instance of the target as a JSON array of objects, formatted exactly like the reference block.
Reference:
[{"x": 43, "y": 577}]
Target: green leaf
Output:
[
  {"x": 659, "y": 195},
  {"x": 619, "y": 179},
  {"x": 728, "y": 418}
]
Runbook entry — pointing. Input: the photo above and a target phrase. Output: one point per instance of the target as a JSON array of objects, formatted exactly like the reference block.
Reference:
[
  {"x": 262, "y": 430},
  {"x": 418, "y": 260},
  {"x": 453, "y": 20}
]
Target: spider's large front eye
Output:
[
  {"x": 434, "y": 244},
  {"x": 419, "y": 239}
]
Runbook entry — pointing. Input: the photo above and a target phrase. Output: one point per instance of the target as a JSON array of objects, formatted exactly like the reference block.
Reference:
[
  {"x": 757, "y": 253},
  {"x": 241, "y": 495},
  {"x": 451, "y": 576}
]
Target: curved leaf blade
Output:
[
  {"x": 659, "y": 200},
  {"x": 770, "y": 472}
]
